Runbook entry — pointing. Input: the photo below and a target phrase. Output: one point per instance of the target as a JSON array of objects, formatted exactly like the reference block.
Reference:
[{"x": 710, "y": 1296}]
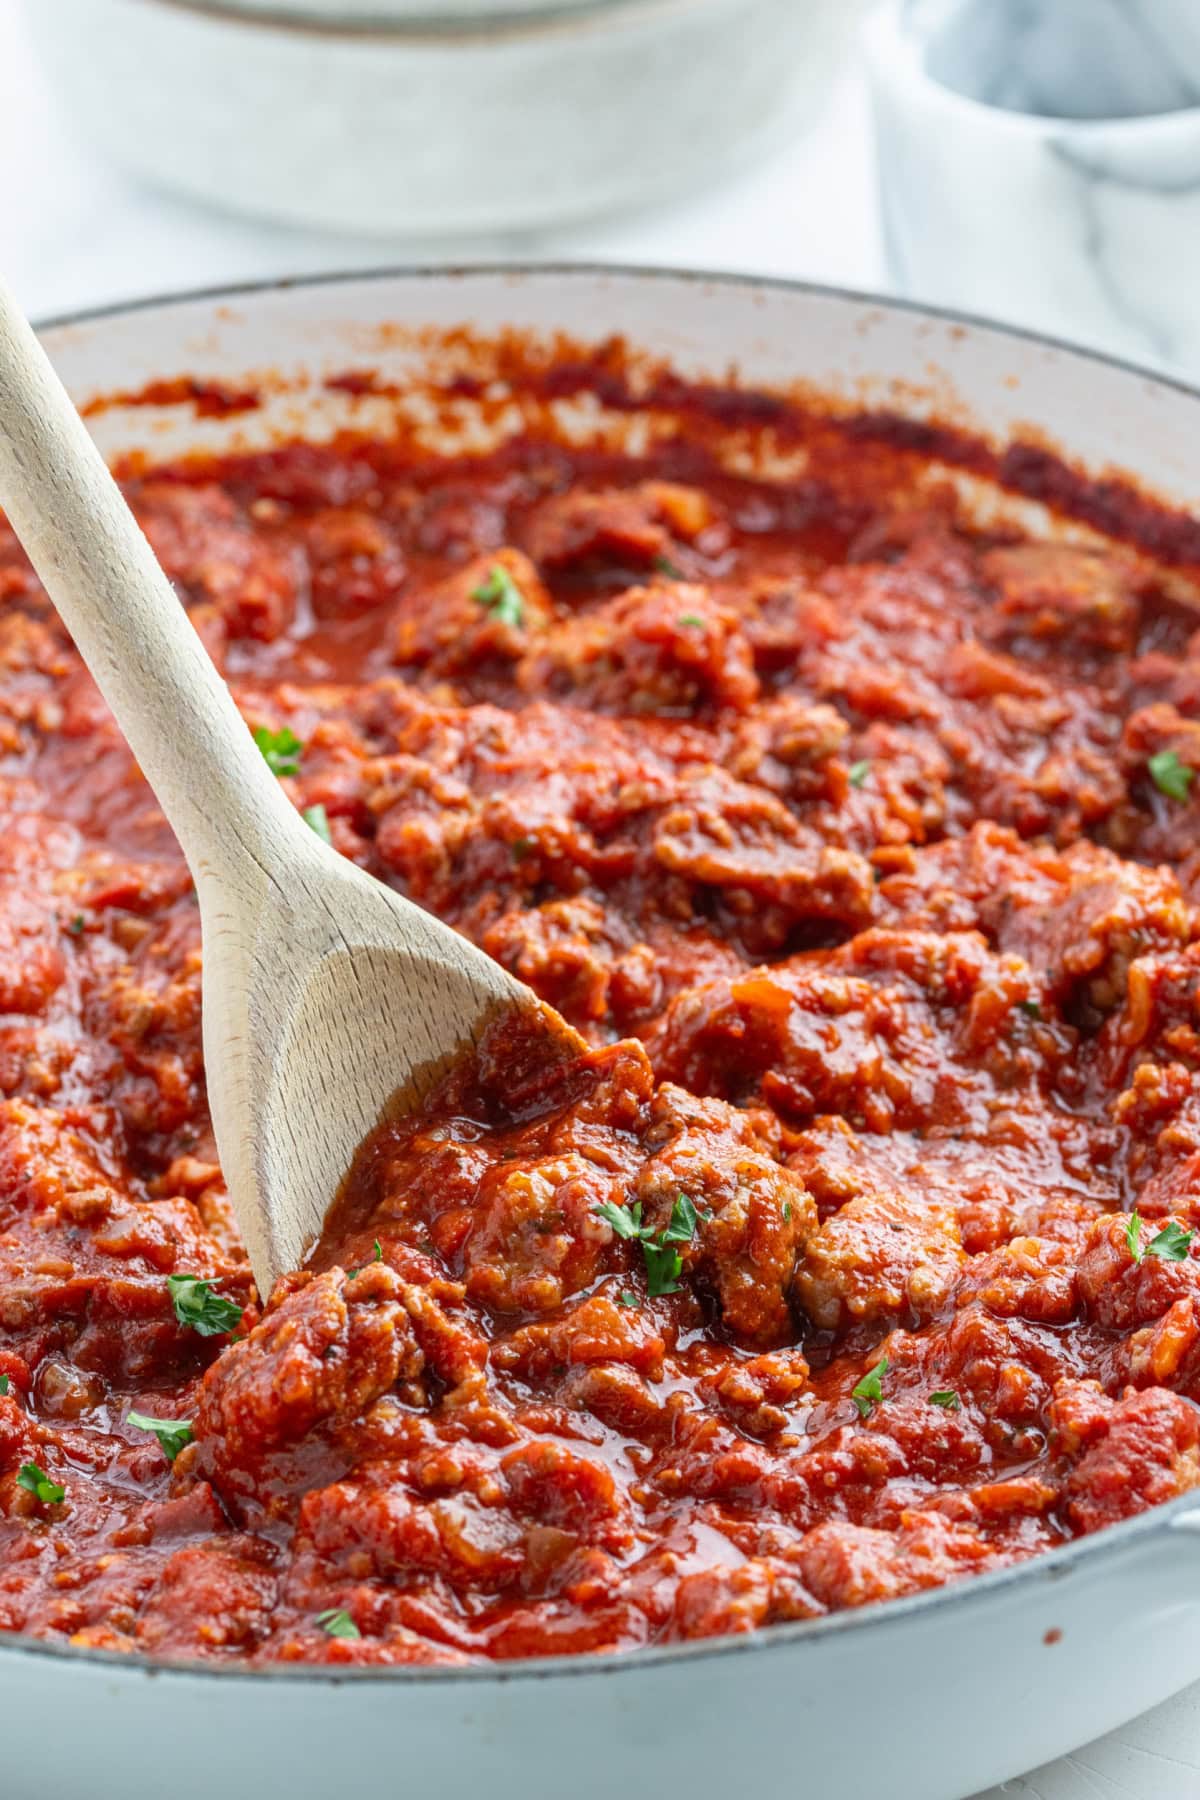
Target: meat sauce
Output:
[{"x": 861, "y": 847}]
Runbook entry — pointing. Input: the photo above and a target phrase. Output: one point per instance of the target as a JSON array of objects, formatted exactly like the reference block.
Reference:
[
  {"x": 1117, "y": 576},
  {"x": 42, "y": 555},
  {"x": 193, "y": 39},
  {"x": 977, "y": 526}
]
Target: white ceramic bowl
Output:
[
  {"x": 928, "y": 1698},
  {"x": 481, "y": 126}
]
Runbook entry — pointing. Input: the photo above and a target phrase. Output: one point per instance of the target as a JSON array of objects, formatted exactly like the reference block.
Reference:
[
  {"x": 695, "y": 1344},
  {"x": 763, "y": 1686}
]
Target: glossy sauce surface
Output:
[{"x": 836, "y": 829}]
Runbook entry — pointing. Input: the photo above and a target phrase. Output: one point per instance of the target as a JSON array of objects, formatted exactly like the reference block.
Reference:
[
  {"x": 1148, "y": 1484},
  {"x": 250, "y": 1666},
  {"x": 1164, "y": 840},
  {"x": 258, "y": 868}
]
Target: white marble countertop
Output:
[{"x": 77, "y": 233}]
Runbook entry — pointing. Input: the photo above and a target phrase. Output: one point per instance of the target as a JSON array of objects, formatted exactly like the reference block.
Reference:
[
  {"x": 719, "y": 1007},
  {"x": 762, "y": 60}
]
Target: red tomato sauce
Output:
[{"x": 861, "y": 846}]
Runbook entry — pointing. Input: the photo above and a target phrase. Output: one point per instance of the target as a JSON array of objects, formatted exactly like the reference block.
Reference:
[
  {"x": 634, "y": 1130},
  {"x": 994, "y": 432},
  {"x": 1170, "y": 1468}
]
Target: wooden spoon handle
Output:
[{"x": 127, "y": 621}]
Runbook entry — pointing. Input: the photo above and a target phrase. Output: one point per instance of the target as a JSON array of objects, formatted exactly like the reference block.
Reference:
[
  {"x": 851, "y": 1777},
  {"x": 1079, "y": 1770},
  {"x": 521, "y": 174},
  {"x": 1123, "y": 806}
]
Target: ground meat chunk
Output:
[
  {"x": 770, "y": 873},
  {"x": 597, "y": 1330},
  {"x": 1121, "y": 1456},
  {"x": 1124, "y": 1294},
  {"x": 755, "y": 1215},
  {"x": 886, "y": 1256},
  {"x": 667, "y": 649},
  {"x": 1085, "y": 600},
  {"x": 211, "y": 550},
  {"x": 537, "y": 1236},
  {"x": 385, "y": 1525},
  {"x": 791, "y": 748},
  {"x": 564, "y": 950},
  {"x": 631, "y": 528},
  {"x": 34, "y": 922},
  {"x": 1106, "y": 913},
  {"x": 210, "y": 1596},
  {"x": 355, "y": 561},
  {"x": 849, "y": 1565},
  {"x": 273, "y": 1409},
  {"x": 759, "y": 1396},
  {"x": 854, "y": 1031},
  {"x": 761, "y": 1591},
  {"x": 486, "y": 611}
]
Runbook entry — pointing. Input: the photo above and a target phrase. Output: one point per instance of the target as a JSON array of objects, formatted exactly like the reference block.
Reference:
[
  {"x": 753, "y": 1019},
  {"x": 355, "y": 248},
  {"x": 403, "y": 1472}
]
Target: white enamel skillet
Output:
[{"x": 930, "y": 1698}]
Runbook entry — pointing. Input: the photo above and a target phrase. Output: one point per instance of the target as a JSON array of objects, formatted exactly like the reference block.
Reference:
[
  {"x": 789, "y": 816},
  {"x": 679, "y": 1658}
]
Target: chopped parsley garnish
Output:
[
  {"x": 378, "y": 1257},
  {"x": 869, "y": 1392},
  {"x": 317, "y": 819},
  {"x": 684, "y": 1219},
  {"x": 521, "y": 848},
  {"x": 692, "y": 619},
  {"x": 947, "y": 1398},
  {"x": 1032, "y": 1007},
  {"x": 335, "y": 1621},
  {"x": 3, "y": 1386},
  {"x": 858, "y": 772},
  {"x": 1170, "y": 1244},
  {"x": 77, "y": 924},
  {"x": 501, "y": 596},
  {"x": 625, "y": 1298},
  {"x": 36, "y": 1481},
  {"x": 664, "y": 1263},
  {"x": 172, "y": 1434},
  {"x": 197, "y": 1305},
  {"x": 1170, "y": 776},
  {"x": 787, "y": 1212},
  {"x": 664, "y": 1266},
  {"x": 666, "y": 567},
  {"x": 627, "y": 1223},
  {"x": 281, "y": 750}
]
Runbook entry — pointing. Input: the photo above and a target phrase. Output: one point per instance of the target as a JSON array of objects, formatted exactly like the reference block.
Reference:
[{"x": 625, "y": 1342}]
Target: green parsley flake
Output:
[
  {"x": 1169, "y": 1245},
  {"x": 317, "y": 819},
  {"x": 378, "y": 1257},
  {"x": 787, "y": 1212},
  {"x": 684, "y": 1219},
  {"x": 36, "y": 1481},
  {"x": 77, "y": 924},
  {"x": 336, "y": 1622},
  {"x": 627, "y": 1223},
  {"x": 947, "y": 1398},
  {"x": 1170, "y": 776},
  {"x": 664, "y": 1266},
  {"x": 172, "y": 1434},
  {"x": 521, "y": 848},
  {"x": 869, "y": 1392},
  {"x": 501, "y": 596},
  {"x": 666, "y": 567},
  {"x": 1133, "y": 1235},
  {"x": 197, "y": 1305},
  {"x": 692, "y": 619},
  {"x": 858, "y": 772},
  {"x": 3, "y": 1386},
  {"x": 625, "y": 1298},
  {"x": 1032, "y": 1007},
  {"x": 664, "y": 1262},
  {"x": 281, "y": 750}
]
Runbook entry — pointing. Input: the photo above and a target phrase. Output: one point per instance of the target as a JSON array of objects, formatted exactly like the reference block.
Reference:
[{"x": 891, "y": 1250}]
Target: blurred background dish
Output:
[
  {"x": 370, "y": 13},
  {"x": 452, "y": 124},
  {"x": 1040, "y": 162}
]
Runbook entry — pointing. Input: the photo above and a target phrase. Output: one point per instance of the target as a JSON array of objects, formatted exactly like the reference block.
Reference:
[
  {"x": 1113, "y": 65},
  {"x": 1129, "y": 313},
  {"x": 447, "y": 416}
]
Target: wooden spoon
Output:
[{"x": 327, "y": 998}]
